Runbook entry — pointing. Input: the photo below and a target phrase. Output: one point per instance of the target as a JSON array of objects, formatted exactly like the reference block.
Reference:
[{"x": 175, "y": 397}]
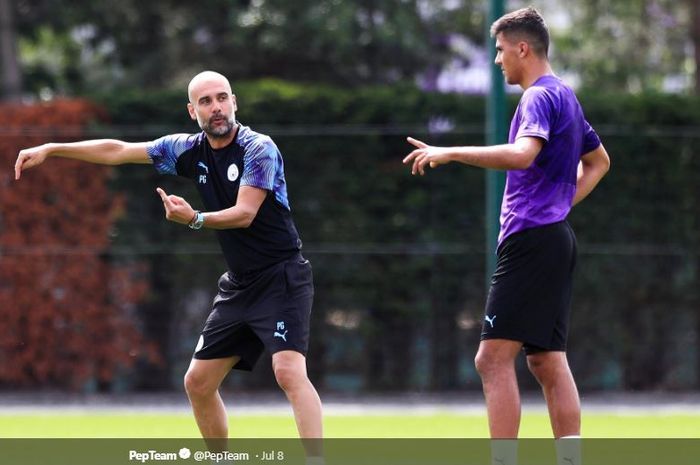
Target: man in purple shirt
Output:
[{"x": 554, "y": 160}]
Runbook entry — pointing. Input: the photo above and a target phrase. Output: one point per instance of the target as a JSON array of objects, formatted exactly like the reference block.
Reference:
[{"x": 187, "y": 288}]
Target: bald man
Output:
[{"x": 264, "y": 298}]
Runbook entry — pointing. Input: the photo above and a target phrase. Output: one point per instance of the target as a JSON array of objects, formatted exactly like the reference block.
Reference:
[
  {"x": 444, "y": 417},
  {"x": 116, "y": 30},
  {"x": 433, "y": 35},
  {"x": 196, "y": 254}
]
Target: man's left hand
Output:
[
  {"x": 425, "y": 155},
  {"x": 176, "y": 208}
]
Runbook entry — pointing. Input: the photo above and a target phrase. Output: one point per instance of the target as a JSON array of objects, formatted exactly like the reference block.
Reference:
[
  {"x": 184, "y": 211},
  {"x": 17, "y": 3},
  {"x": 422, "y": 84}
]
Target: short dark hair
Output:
[{"x": 528, "y": 23}]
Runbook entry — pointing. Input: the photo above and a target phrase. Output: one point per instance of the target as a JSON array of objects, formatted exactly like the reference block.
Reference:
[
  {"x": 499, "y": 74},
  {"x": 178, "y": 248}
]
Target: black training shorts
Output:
[
  {"x": 268, "y": 309},
  {"x": 530, "y": 296}
]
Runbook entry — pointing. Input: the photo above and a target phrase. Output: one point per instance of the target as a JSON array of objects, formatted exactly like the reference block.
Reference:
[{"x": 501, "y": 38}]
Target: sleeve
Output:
[
  {"x": 165, "y": 151},
  {"x": 260, "y": 165},
  {"x": 591, "y": 141},
  {"x": 536, "y": 111}
]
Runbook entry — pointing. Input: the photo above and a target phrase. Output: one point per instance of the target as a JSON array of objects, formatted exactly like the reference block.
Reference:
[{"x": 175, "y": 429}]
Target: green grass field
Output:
[{"x": 444, "y": 425}]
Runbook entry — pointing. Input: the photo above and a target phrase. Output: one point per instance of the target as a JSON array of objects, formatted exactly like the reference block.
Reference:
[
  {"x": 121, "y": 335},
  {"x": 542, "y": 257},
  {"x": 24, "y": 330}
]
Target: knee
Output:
[
  {"x": 480, "y": 363},
  {"x": 288, "y": 376},
  {"x": 197, "y": 385},
  {"x": 541, "y": 369},
  {"x": 487, "y": 363}
]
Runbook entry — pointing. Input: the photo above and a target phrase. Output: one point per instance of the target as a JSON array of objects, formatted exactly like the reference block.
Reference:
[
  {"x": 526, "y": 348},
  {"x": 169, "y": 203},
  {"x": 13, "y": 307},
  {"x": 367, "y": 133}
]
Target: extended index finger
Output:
[
  {"x": 18, "y": 167},
  {"x": 416, "y": 142},
  {"x": 163, "y": 195}
]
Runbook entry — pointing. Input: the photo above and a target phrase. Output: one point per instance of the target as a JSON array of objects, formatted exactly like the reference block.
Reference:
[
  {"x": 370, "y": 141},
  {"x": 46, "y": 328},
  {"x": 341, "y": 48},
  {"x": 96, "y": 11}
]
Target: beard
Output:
[{"x": 217, "y": 132}]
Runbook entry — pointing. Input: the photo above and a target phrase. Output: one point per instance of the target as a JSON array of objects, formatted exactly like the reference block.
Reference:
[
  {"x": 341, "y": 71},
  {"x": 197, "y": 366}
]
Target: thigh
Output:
[
  {"x": 211, "y": 373},
  {"x": 225, "y": 341},
  {"x": 530, "y": 291},
  {"x": 283, "y": 323},
  {"x": 498, "y": 351},
  {"x": 227, "y": 332},
  {"x": 548, "y": 365}
]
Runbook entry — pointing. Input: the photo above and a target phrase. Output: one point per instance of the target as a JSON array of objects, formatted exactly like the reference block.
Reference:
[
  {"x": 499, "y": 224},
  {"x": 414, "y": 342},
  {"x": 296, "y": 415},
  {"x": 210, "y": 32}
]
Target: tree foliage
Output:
[
  {"x": 631, "y": 46},
  {"x": 67, "y": 313},
  {"x": 77, "y": 46}
]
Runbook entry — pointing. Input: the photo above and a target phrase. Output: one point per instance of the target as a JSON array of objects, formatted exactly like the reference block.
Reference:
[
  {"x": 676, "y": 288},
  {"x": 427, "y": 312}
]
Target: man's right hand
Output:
[{"x": 29, "y": 158}]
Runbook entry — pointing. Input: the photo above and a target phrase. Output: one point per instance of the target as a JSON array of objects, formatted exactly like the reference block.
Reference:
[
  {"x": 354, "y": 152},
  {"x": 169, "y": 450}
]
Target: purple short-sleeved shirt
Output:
[{"x": 543, "y": 193}]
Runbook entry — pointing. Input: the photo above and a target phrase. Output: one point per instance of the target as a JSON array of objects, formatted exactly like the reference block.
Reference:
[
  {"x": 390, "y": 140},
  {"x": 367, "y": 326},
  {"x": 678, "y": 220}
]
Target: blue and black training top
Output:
[{"x": 251, "y": 159}]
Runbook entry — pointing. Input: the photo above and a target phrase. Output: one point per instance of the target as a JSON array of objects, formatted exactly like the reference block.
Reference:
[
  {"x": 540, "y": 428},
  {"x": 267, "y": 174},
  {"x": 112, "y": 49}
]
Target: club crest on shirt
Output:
[{"x": 232, "y": 172}]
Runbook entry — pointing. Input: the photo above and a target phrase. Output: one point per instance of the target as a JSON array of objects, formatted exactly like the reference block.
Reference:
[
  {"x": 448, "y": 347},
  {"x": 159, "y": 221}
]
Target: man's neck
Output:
[
  {"x": 539, "y": 69},
  {"x": 220, "y": 142}
]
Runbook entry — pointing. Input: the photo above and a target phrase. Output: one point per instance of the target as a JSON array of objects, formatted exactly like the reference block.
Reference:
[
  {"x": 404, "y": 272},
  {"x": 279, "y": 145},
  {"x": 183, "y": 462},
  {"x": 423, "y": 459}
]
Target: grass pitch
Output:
[{"x": 434, "y": 425}]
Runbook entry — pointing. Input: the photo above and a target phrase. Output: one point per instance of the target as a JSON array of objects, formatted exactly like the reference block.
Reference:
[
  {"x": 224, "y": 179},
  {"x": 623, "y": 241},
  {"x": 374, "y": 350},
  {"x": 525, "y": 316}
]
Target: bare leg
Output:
[
  {"x": 202, "y": 383},
  {"x": 495, "y": 362},
  {"x": 290, "y": 371},
  {"x": 552, "y": 372}
]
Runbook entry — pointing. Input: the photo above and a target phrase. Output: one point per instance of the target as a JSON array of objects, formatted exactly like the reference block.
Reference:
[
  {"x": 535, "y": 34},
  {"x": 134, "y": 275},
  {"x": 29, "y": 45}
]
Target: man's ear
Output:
[
  {"x": 235, "y": 102},
  {"x": 523, "y": 49},
  {"x": 190, "y": 110}
]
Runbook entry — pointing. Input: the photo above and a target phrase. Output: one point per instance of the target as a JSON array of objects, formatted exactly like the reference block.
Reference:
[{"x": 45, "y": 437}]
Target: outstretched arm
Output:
[
  {"x": 516, "y": 156},
  {"x": 240, "y": 215},
  {"x": 100, "y": 151},
  {"x": 591, "y": 170}
]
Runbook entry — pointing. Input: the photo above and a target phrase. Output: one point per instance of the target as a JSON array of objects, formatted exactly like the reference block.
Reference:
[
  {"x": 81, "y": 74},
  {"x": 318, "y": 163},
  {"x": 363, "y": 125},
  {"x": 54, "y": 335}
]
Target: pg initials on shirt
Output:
[{"x": 250, "y": 160}]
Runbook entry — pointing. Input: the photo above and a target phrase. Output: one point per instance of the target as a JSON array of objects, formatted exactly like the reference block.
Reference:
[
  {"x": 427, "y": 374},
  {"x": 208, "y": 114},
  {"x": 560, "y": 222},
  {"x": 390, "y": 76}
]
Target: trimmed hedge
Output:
[{"x": 399, "y": 260}]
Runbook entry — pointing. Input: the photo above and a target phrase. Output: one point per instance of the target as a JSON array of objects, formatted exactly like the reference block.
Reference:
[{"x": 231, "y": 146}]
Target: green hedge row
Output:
[{"x": 399, "y": 261}]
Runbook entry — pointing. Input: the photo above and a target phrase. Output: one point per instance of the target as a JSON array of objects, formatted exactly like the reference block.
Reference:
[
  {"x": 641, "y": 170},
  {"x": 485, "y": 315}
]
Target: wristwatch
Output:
[{"x": 197, "y": 221}]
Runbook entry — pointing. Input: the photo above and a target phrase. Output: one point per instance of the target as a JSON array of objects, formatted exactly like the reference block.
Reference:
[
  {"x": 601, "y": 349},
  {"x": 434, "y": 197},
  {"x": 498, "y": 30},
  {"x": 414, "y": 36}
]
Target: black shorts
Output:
[
  {"x": 530, "y": 296},
  {"x": 268, "y": 309}
]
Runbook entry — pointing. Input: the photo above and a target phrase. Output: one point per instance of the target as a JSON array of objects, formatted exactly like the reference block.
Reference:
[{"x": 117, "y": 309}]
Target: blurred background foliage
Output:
[{"x": 57, "y": 48}]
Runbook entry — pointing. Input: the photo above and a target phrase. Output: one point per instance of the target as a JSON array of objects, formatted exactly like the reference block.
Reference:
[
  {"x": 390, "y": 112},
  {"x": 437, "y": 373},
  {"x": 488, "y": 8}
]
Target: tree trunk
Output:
[{"x": 10, "y": 80}]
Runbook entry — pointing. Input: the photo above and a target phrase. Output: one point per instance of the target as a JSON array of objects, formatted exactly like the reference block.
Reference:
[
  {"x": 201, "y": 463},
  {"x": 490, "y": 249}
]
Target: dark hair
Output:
[{"x": 528, "y": 23}]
